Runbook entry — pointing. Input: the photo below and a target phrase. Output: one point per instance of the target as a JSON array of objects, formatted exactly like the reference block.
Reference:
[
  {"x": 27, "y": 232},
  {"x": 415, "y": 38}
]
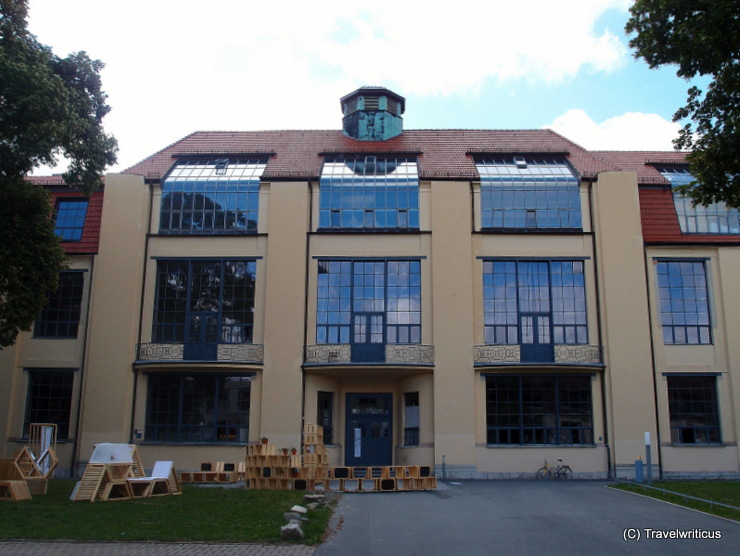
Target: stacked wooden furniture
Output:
[
  {"x": 33, "y": 465},
  {"x": 115, "y": 472},
  {"x": 219, "y": 472},
  {"x": 266, "y": 468},
  {"x": 382, "y": 478}
]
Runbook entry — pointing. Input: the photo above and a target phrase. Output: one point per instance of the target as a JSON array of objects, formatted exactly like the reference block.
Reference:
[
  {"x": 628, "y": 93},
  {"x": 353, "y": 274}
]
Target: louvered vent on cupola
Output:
[{"x": 372, "y": 114}]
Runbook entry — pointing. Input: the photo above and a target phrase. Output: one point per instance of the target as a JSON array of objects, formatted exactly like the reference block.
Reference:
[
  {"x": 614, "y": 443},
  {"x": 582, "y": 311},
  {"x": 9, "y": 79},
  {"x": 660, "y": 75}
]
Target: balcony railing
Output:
[
  {"x": 392, "y": 354},
  {"x": 562, "y": 354},
  {"x": 234, "y": 353}
]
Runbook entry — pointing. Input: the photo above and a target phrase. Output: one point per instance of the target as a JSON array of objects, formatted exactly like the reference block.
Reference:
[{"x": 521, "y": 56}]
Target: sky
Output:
[{"x": 178, "y": 66}]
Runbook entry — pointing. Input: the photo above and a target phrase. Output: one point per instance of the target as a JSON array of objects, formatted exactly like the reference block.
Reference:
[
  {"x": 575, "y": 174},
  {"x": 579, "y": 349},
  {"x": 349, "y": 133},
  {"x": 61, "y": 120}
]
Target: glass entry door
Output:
[
  {"x": 202, "y": 344},
  {"x": 368, "y": 339},
  {"x": 536, "y": 338},
  {"x": 369, "y": 430}
]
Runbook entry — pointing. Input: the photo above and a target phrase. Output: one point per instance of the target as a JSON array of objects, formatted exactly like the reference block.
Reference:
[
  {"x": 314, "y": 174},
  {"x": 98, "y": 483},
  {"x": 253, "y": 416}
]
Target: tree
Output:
[
  {"x": 30, "y": 256},
  {"x": 48, "y": 106},
  {"x": 702, "y": 38}
]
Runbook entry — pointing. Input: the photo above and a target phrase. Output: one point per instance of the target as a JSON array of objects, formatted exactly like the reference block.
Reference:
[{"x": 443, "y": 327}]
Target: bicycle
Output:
[{"x": 558, "y": 471}]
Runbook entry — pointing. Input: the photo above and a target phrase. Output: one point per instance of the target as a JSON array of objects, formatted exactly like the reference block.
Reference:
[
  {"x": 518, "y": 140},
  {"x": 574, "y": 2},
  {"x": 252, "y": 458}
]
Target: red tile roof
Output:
[
  {"x": 659, "y": 220},
  {"x": 443, "y": 154},
  {"x": 89, "y": 241}
]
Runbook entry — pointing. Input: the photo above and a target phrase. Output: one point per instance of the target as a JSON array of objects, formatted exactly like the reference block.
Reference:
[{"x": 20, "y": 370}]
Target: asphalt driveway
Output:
[{"x": 523, "y": 517}]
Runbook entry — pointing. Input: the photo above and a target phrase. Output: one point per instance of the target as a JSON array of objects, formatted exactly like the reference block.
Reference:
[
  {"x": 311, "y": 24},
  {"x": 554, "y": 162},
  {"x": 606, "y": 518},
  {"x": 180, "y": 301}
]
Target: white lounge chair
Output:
[{"x": 156, "y": 485}]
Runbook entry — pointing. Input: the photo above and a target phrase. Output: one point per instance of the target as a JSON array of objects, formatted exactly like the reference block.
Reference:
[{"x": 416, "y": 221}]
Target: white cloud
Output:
[
  {"x": 632, "y": 131},
  {"x": 175, "y": 66}
]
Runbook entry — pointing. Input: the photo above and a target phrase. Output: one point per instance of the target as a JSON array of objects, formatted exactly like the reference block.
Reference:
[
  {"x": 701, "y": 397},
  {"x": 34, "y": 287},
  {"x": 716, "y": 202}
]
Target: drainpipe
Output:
[
  {"x": 141, "y": 313},
  {"x": 81, "y": 389},
  {"x": 605, "y": 413},
  {"x": 654, "y": 364},
  {"x": 305, "y": 308}
]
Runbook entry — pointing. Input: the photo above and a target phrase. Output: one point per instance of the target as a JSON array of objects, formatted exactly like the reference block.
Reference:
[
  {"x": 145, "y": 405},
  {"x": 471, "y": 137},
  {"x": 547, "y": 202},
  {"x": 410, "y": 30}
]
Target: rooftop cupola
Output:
[{"x": 372, "y": 114}]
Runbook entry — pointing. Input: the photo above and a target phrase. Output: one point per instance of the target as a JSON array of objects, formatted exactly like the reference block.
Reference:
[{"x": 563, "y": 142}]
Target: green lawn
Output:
[
  {"x": 199, "y": 514},
  {"x": 724, "y": 492}
]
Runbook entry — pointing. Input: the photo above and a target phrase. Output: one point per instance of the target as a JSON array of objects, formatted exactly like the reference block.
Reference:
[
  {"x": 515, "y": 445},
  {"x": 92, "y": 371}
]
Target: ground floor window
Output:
[
  {"x": 198, "y": 408},
  {"x": 692, "y": 404},
  {"x": 50, "y": 399},
  {"x": 551, "y": 409},
  {"x": 411, "y": 419},
  {"x": 325, "y": 415}
]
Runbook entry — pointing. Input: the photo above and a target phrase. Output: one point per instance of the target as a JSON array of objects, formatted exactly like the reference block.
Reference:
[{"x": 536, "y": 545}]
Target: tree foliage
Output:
[
  {"x": 49, "y": 106},
  {"x": 701, "y": 38},
  {"x": 30, "y": 256}
]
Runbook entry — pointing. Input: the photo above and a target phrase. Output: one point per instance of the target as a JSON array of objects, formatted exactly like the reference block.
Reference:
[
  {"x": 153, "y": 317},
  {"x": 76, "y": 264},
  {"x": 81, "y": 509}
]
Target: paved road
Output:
[
  {"x": 523, "y": 518},
  {"x": 471, "y": 518}
]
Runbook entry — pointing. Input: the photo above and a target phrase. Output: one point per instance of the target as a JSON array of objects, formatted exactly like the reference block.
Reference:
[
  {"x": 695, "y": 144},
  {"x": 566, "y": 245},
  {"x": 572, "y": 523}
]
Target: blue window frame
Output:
[
  {"x": 217, "y": 196},
  {"x": 369, "y": 303},
  {"x": 534, "y": 193},
  {"x": 684, "y": 302},
  {"x": 716, "y": 218},
  {"x": 198, "y": 408},
  {"x": 60, "y": 317},
  {"x": 70, "y": 219},
  {"x": 204, "y": 302},
  {"x": 693, "y": 409},
  {"x": 534, "y": 303},
  {"x": 527, "y": 409},
  {"x": 369, "y": 193}
]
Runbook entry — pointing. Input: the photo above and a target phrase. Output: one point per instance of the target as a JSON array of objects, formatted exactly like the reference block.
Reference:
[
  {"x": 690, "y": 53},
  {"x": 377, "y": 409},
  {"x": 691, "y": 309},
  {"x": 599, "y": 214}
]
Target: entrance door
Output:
[
  {"x": 369, "y": 430},
  {"x": 536, "y": 338},
  {"x": 368, "y": 342}
]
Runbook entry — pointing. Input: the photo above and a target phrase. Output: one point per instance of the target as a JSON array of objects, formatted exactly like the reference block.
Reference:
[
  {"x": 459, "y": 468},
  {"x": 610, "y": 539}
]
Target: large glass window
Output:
[
  {"x": 70, "y": 219},
  {"x": 204, "y": 301},
  {"x": 716, "y": 218},
  {"x": 369, "y": 303},
  {"x": 60, "y": 318},
  {"x": 50, "y": 399},
  {"x": 198, "y": 408},
  {"x": 369, "y": 192},
  {"x": 692, "y": 404},
  {"x": 534, "y": 303},
  {"x": 528, "y": 193},
  {"x": 684, "y": 302},
  {"x": 539, "y": 410},
  {"x": 216, "y": 196}
]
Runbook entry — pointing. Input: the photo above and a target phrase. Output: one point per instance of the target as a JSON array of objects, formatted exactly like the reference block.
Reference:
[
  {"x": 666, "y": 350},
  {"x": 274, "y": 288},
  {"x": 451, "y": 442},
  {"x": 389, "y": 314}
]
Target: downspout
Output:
[
  {"x": 305, "y": 307},
  {"x": 141, "y": 314},
  {"x": 78, "y": 425},
  {"x": 654, "y": 364},
  {"x": 599, "y": 331}
]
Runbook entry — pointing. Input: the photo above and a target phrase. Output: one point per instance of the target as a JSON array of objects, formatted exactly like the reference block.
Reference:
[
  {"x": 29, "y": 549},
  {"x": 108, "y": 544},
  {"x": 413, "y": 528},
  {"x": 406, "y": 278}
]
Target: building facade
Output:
[{"x": 474, "y": 300}]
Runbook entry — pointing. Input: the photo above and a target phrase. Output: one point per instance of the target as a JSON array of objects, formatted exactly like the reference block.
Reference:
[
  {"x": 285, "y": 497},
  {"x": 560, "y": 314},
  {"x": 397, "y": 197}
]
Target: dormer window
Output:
[
  {"x": 212, "y": 196},
  {"x": 716, "y": 218},
  {"x": 359, "y": 192},
  {"x": 529, "y": 192}
]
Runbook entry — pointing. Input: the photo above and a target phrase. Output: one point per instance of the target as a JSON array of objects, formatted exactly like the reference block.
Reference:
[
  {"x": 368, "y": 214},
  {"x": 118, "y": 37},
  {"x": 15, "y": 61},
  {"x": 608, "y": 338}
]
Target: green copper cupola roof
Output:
[{"x": 372, "y": 114}]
